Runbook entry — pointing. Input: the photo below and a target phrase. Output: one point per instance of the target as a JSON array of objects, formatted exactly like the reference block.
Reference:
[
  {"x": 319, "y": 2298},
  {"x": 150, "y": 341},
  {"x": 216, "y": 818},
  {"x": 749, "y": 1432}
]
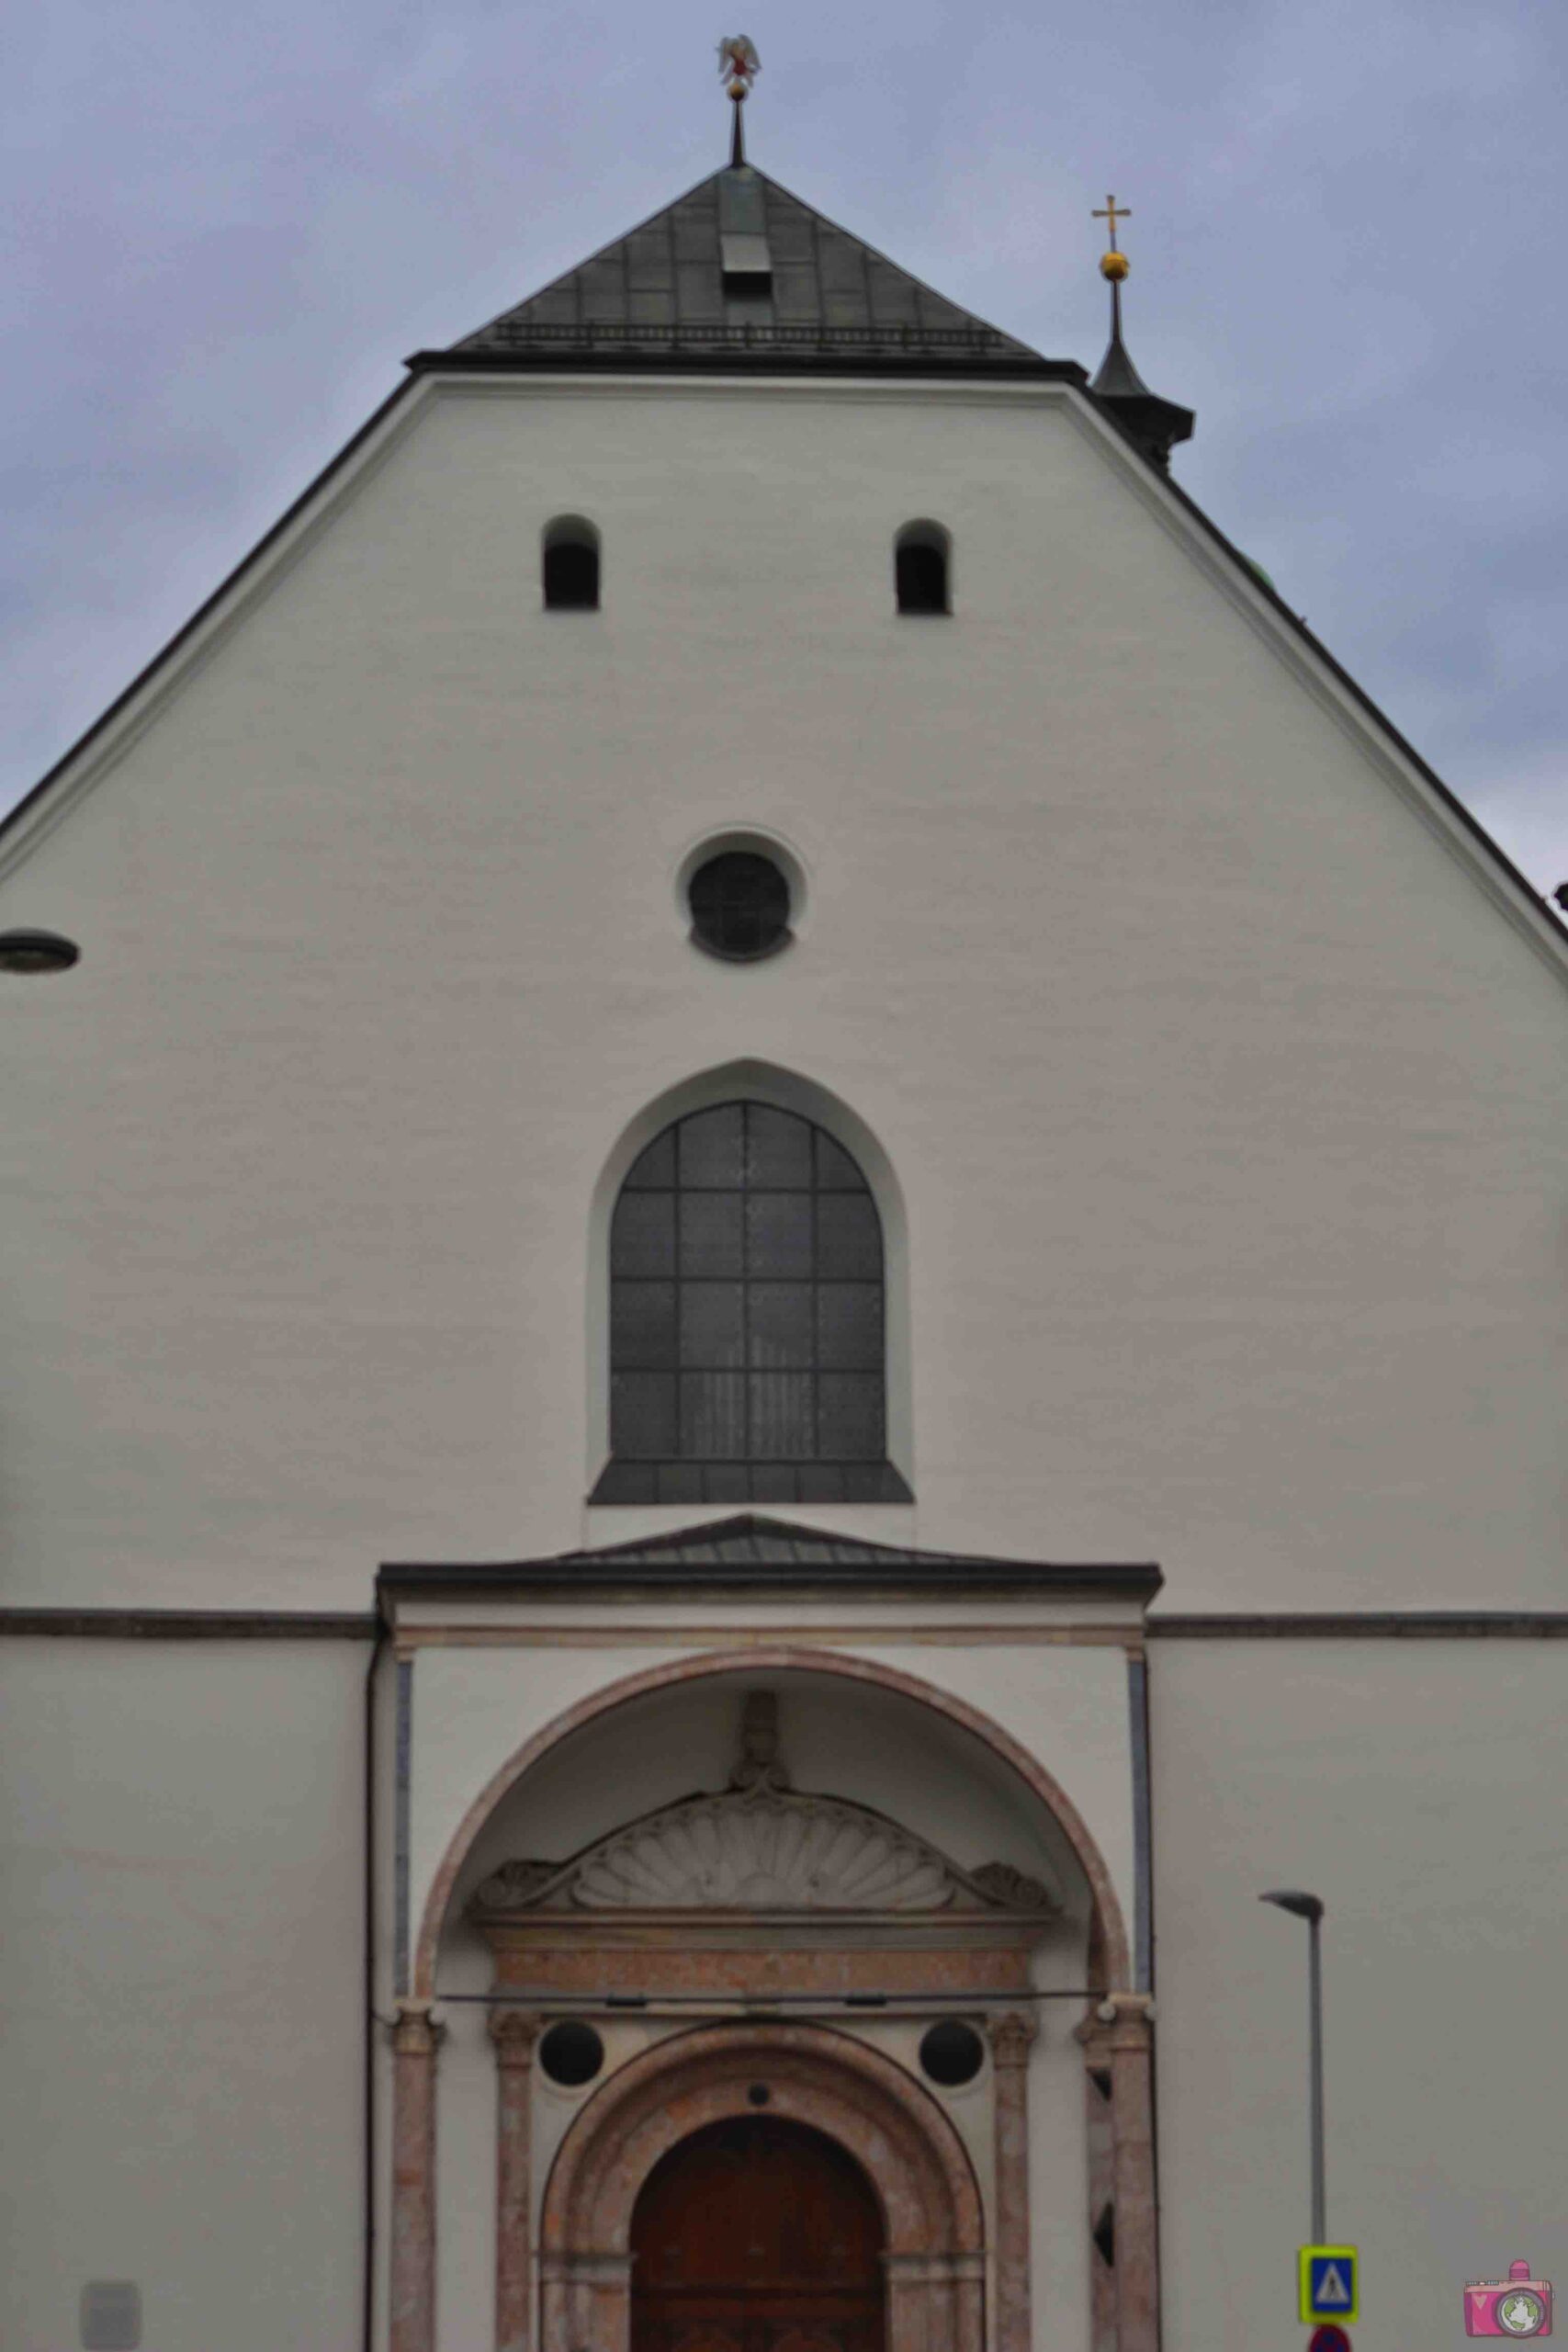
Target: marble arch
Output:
[
  {"x": 1115, "y": 2035},
  {"x": 897, "y": 2132},
  {"x": 1110, "y": 1932}
]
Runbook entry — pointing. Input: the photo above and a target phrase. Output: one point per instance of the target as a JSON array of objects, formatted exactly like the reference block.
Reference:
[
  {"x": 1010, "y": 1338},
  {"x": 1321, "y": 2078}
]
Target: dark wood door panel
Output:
[{"x": 757, "y": 2235}]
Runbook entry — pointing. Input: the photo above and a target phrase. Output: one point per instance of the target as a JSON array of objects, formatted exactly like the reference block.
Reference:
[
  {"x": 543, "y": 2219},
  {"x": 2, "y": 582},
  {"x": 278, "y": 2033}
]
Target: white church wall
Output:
[
  {"x": 181, "y": 2063},
  {"x": 1418, "y": 1787},
  {"x": 1227, "y": 1110}
]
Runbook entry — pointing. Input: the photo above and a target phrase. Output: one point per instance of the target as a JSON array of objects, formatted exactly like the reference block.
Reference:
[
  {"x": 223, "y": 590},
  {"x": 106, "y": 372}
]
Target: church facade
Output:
[{"x": 786, "y": 1225}]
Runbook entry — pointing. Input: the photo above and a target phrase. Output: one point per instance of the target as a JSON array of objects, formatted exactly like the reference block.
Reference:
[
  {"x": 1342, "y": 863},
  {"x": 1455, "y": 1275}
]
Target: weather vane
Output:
[{"x": 738, "y": 66}]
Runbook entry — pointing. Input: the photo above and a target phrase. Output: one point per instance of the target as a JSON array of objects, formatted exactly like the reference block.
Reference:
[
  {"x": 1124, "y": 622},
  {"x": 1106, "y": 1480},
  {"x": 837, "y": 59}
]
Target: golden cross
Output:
[{"x": 1113, "y": 212}]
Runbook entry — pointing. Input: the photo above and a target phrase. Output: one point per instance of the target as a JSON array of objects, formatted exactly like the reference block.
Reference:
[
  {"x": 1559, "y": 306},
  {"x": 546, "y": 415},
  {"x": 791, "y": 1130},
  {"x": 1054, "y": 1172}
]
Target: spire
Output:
[
  {"x": 738, "y": 66},
  {"x": 1155, "y": 425}
]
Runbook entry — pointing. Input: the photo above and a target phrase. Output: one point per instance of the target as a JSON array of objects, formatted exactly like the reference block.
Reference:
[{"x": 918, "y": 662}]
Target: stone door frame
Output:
[{"x": 898, "y": 2135}]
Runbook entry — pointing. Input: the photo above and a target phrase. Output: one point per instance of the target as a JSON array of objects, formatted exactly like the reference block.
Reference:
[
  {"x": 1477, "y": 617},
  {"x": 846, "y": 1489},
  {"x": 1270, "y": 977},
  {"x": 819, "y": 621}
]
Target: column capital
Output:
[
  {"x": 1011, "y": 2035},
  {"x": 514, "y": 2032},
  {"x": 1118, "y": 2022},
  {"x": 416, "y": 2030}
]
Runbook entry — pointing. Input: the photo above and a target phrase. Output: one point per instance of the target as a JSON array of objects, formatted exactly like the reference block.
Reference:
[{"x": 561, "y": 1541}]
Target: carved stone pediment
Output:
[{"x": 762, "y": 1848}]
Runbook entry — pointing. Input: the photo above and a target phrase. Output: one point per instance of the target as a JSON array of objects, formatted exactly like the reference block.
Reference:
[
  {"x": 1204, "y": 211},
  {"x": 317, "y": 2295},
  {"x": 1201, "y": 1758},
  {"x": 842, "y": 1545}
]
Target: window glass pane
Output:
[
  {"x": 836, "y": 1171},
  {"x": 656, "y": 1165},
  {"x": 849, "y": 1325},
  {"x": 779, "y": 1327},
  {"x": 739, "y": 904},
  {"x": 778, "y": 1148},
  {"x": 849, "y": 1409},
  {"x": 778, "y": 1233},
  {"x": 572, "y": 577},
  {"x": 745, "y": 1311},
  {"x": 713, "y": 1148},
  {"x": 780, "y": 1417},
  {"x": 710, "y": 1233},
  {"x": 642, "y": 1240},
  {"x": 921, "y": 572},
  {"x": 849, "y": 1239},
  {"x": 713, "y": 1416},
  {"x": 642, "y": 1413},
  {"x": 711, "y": 1324},
  {"x": 642, "y": 1324}
]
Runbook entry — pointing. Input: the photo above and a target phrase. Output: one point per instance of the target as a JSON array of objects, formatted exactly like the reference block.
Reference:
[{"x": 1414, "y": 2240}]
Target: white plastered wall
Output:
[
  {"x": 1227, "y": 1107},
  {"x": 1418, "y": 1787},
  {"x": 182, "y": 2049}
]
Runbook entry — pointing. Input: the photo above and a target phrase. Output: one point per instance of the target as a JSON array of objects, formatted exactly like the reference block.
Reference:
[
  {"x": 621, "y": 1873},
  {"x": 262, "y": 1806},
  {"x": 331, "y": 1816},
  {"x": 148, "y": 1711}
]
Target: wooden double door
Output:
[{"x": 757, "y": 2234}]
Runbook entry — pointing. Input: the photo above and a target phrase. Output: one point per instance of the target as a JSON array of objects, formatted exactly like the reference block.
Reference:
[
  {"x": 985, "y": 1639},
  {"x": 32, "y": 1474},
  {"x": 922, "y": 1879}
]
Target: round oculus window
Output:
[
  {"x": 951, "y": 2054},
  {"x": 739, "y": 903},
  {"x": 571, "y": 2054}
]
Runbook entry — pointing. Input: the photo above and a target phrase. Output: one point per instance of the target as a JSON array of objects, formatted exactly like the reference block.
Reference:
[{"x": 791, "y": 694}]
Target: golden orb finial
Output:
[{"x": 1113, "y": 265}]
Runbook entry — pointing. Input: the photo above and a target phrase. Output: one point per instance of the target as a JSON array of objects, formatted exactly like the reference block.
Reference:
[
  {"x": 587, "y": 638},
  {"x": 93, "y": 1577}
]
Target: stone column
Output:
[
  {"x": 1120, "y": 2036},
  {"x": 415, "y": 2038},
  {"x": 514, "y": 2035},
  {"x": 1011, "y": 2037}
]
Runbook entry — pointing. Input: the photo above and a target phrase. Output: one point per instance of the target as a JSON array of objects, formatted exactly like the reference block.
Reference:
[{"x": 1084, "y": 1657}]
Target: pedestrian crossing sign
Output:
[{"x": 1327, "y": 2278}]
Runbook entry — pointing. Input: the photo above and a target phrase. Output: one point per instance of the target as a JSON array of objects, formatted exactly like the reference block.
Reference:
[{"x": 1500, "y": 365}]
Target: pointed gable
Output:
[{"x": 738, "y": 271}]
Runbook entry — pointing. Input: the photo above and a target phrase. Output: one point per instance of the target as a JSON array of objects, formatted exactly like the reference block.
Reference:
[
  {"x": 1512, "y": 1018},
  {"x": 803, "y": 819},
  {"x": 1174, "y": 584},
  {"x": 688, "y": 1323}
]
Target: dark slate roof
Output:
[
  {"x": 1155, "y": 425},
  {"x": 798, "y": 292},
  {"x": 752, "y": 1551}
]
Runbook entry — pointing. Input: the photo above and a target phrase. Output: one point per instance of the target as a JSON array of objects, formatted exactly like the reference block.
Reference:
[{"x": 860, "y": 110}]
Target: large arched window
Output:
[
  {"x": 570, "y": 559},
  {"x": 747, "y": 1318},
  {"x": 921, "y": 560}
]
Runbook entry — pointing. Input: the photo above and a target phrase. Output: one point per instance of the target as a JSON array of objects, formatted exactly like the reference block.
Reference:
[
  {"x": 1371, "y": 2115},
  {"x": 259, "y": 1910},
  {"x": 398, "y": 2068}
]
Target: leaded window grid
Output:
[{"x": 747, "y": 1316}]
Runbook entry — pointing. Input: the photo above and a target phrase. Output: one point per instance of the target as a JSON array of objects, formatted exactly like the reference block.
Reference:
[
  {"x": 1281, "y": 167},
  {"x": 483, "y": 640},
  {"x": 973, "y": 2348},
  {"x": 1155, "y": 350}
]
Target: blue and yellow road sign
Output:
[{"x": 1329, "y": 2282}]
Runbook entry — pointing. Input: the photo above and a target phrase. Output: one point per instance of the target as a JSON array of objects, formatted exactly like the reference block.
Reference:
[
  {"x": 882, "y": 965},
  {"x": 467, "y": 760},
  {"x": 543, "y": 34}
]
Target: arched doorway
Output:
[
  {"x": 903, "y": 2152},
  {"x": 758, "y": 2234}
]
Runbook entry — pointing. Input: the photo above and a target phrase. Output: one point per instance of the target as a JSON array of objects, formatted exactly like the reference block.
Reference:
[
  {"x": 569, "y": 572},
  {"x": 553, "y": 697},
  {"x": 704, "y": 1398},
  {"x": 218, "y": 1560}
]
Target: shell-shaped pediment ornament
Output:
[{"x": 763, "y": 1849}]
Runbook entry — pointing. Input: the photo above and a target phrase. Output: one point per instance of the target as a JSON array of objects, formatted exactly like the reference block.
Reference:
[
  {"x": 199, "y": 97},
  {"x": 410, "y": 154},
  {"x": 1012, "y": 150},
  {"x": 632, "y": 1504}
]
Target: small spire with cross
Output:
[
  {"x": 1153, "y": 424},
  {"x": 1113, "y": 261},
  {"x": 738, "y": 66}
]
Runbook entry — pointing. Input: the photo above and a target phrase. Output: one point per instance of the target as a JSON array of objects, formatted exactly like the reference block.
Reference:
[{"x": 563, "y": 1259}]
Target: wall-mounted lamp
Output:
[{"x": 37, "y": 951}]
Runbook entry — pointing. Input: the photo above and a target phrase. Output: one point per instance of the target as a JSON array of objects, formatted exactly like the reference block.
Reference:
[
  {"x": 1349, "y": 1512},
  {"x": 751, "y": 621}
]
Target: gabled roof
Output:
[
  {"x": 836, "y": 306},
  {"x": 738, "y": 272},
  {"x": 756, "y": 1551}
]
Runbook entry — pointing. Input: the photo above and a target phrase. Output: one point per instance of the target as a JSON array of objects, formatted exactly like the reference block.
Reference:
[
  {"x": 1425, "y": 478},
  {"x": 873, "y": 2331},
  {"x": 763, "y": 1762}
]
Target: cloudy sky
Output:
[{"x": 229, "y": 226}]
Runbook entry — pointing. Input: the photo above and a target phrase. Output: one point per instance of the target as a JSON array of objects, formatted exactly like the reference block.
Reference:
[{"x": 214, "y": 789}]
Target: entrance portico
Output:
[{"x": 762, "y": 1866}]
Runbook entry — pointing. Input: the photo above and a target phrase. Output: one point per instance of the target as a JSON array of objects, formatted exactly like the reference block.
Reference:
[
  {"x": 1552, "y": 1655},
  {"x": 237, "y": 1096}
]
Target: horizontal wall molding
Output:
[
  {"x": 353, "y": 1625},
  {"x": 192, "y": 1624},
  {"x": 1369, "y": 1624}
]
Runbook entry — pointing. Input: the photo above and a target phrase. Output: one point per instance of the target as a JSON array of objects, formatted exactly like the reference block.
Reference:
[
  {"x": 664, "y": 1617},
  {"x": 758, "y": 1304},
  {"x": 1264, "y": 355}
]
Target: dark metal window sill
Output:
[{"x": 750, "y": 1482}]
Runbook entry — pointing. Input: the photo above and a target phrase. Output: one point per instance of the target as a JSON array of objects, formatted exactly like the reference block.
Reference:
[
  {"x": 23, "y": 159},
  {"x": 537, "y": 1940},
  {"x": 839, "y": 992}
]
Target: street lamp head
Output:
[{"x": 1303, "y": 1906}]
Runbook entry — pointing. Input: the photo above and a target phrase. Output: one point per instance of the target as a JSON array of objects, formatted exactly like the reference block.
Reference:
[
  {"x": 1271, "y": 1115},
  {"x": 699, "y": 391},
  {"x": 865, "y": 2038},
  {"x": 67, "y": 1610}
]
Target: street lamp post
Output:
[{"x": 1309, "y": 1908}]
